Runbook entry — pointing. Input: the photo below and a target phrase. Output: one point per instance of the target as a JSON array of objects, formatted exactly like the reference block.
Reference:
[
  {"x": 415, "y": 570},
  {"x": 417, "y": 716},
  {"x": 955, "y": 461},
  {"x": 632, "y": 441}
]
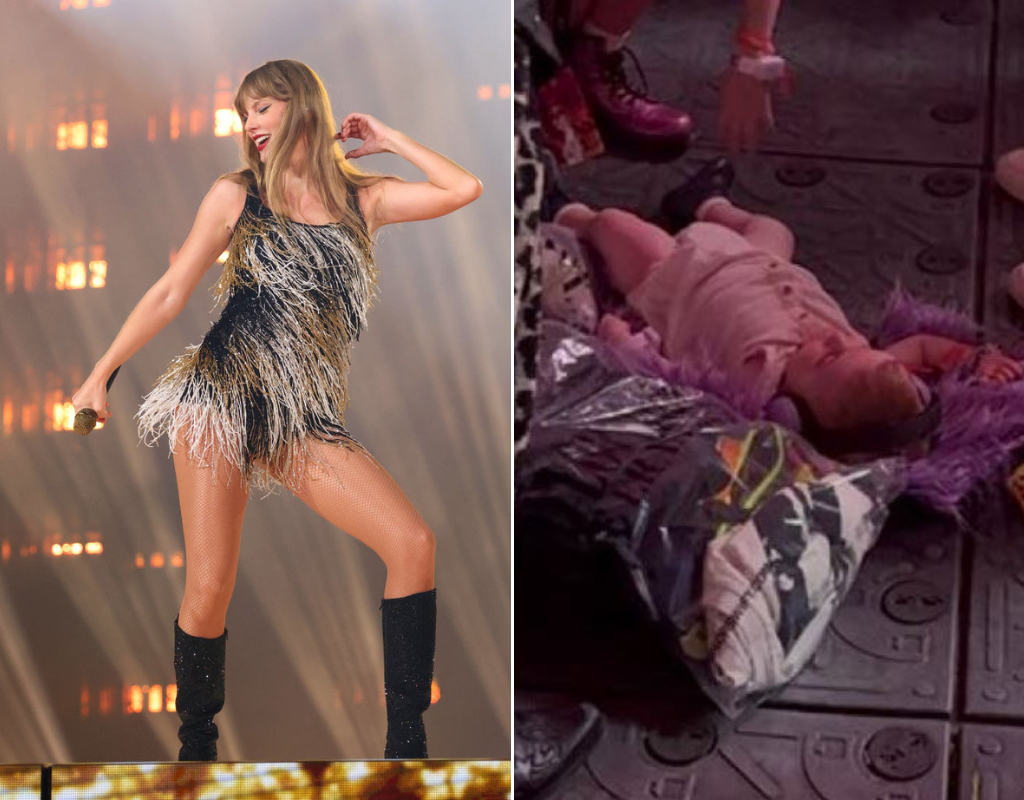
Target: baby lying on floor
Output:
[{"x": 725, "y": 289}]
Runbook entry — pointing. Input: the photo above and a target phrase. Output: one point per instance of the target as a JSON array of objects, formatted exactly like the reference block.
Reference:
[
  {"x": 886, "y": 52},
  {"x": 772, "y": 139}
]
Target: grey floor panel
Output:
[
  {"x": 775, "y": 754},
  {"x": 995, "y": 658},
  {"x": 873, "y": 79},
  {"x": 892, "y": 644},
  {"x": 1009, "y": 106},
  {"x": 990, "y": 764},
  {"x": 1005, "y": 250},
  {"x": 860, "y": 227}
]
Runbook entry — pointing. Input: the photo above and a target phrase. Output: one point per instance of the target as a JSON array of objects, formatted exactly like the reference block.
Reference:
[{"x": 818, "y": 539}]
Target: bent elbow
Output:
[
  {"x": 471, "y": 192},
  {"x": 170, "y": 301}
]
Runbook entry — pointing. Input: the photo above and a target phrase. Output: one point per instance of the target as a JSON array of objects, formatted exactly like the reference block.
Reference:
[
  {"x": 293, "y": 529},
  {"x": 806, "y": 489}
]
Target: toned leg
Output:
[
  {"x": 212, "y": 507},
  {"x": 628, "y": 245},
  {"x": 355, "y": 493},
  {"x": 211, "y": 516},
  {"x": 763, "y": 232}
]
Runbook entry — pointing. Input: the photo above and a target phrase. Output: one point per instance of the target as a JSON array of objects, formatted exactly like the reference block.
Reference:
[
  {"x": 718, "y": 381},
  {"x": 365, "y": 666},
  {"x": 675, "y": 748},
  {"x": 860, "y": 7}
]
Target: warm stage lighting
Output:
[
  {"x": 94, "y": 548},
  {"x": 62, "y": 136},
  {"x": 78, "y": 135},
  {"x": 64, "y": 416},
  {"x": 97, "y": 274},
  {"x": 226, "y": 122},
  {"x": 76, "y": 275},
  {"x": 435, "y": 692},
  {"x": 485, "y": 92},
  {"x": 99, "y": 133},
  {"x": 505, "y": 91},
  {"x": 175, "y": 122},
  {"x": 140, "y": 560},
  {"x": 29, "y": 417},
  {"x": 8, "y": 417},
  {"x": 156, "y": 560},
  {"x": 156, "y": 699},
  {"x": 56, "y": 550},
  {"x": 223, "y": 257}
]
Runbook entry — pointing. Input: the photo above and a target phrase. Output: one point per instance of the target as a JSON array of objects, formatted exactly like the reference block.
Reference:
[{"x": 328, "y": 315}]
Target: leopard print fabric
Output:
[{"x": 529, "y": 186}]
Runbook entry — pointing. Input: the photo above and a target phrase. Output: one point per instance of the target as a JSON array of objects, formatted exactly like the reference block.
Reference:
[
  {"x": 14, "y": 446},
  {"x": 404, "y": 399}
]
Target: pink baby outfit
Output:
[{"x": 743, "y": 309}]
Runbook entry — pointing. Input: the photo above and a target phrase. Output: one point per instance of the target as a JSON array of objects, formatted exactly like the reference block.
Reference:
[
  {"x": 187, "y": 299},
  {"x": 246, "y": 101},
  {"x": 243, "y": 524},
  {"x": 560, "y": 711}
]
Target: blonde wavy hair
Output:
[{"x": 307, "y": 115}]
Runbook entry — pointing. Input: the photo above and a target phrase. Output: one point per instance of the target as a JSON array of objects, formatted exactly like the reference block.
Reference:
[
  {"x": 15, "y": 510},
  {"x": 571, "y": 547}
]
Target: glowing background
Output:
[{"x": 110, "y": 135}]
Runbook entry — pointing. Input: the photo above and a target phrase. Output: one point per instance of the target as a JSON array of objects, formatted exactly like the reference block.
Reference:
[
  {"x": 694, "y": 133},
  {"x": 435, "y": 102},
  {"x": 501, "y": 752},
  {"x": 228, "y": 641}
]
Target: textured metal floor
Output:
[{"x": 882, "y": 166}]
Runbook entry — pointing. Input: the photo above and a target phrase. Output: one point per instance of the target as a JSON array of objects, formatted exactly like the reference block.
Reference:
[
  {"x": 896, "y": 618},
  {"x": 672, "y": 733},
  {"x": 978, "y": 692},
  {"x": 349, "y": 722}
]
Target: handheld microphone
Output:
[{"x": 85, "y": 419}]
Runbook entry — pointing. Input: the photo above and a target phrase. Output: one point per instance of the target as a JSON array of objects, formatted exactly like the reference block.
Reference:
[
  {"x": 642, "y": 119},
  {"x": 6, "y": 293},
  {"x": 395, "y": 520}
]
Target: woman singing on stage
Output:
[{"x": 260, "y": 401}]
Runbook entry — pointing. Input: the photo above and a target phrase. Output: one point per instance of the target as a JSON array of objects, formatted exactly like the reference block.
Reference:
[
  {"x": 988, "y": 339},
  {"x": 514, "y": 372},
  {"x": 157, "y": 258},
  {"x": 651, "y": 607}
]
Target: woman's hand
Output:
[
  {"x": 374, "y": 133},
  {"x": 92, "y": 395},
  {"x": 994, "y": 367},
  {"x": 745, "y": 112}
]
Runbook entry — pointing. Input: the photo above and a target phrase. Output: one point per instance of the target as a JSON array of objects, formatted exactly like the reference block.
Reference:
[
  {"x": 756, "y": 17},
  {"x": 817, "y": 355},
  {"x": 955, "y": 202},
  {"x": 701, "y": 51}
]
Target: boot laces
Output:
[{"x": 613, "y": 73}]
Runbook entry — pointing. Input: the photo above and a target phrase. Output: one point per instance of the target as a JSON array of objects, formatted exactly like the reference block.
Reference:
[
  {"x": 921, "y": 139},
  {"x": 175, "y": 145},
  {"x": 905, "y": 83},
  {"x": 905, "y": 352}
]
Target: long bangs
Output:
[{"x": 259, "y": 83}]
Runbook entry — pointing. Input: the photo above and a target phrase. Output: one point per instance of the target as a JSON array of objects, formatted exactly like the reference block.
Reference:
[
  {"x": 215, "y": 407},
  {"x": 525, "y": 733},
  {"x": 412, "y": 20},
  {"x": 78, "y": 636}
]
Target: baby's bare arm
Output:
[{"x": 924, "y": 351}]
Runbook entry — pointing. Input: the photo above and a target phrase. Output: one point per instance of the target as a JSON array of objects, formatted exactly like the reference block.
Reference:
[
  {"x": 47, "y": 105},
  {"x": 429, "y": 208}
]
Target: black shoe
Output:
[
  {"x": 679, "y": 206},
  {"x": 409, "y": 624},
  {"x": 552, "y": 736},
  {"x": 199, "y": 670}
]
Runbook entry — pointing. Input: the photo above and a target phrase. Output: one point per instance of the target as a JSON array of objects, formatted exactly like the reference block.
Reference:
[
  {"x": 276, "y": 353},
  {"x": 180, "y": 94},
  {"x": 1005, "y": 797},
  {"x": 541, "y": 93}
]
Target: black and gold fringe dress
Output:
[{"x": 271, "y": 371}]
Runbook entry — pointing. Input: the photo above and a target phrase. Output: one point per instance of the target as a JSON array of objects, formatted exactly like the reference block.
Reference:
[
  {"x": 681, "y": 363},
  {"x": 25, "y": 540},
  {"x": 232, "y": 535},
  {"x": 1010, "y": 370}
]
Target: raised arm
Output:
[
  {"x": 941, "y": 355},
  {"x": 448, "y": 186},
  {"x": 210, "y": 234}
]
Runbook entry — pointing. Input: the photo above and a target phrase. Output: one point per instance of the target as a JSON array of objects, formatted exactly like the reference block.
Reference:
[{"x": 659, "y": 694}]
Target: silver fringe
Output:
[{"x": 284, "y": 348}]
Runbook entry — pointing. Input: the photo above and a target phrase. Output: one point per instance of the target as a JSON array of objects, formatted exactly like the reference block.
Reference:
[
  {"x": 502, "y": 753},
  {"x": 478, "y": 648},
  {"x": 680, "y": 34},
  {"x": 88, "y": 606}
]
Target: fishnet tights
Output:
[{"x": 349, "y": 488}]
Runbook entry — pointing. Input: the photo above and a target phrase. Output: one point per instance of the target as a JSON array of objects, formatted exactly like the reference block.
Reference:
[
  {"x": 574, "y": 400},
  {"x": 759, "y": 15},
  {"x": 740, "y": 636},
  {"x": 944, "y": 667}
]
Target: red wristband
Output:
[{"x": 758, "y": 44}]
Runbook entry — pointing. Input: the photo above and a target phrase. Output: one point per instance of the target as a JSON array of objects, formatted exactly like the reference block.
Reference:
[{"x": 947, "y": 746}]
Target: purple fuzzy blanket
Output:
[{"x": 982, "y": 425}]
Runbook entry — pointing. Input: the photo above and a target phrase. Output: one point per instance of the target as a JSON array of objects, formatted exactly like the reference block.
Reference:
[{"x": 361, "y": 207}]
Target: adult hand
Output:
[
  {"x": 994, "y": 367},
  {"x": 94, "y": 396},
  {"x": 745, "y": 110},
  {"x": 372, "y": 131}
]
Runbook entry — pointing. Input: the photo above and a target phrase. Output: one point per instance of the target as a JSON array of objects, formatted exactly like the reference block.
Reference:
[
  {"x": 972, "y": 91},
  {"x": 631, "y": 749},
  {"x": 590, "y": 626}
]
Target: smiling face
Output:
[
  {"x": 262, "y": 120},
  {"x": 848, "y": 383}
]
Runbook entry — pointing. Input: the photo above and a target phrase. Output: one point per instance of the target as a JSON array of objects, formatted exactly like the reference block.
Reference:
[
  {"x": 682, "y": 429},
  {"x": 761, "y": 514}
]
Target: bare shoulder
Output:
[{"x": 224, "y": 202}]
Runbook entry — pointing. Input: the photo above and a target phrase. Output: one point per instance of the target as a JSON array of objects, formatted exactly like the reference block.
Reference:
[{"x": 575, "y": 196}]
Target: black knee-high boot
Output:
[
  {"x": 199, "y": 670},
  {"x": 409, "y": 625}
]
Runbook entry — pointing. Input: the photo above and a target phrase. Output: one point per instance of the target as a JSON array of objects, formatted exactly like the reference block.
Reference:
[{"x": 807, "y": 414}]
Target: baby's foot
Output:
[
  {"x": 575, "y": 216},
  {"x": 613, "y": 329}
]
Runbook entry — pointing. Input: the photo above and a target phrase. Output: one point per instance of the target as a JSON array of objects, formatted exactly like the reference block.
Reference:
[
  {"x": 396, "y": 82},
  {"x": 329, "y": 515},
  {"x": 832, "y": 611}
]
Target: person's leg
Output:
[
  {"x": 628, "y": 245},
  {"x": 213, "y": 503},
  {"x": 351, "y": 490},
  {"x": 763, "y": 232},
  {"x": 211, "y": 516},
  {"x": 615, "y": 17},
  {"x": 593, "y": 49}
]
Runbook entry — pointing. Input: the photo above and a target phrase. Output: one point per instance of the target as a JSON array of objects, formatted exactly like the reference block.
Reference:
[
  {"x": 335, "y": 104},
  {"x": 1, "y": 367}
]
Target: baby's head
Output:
[{"x": 851, "y": 387}]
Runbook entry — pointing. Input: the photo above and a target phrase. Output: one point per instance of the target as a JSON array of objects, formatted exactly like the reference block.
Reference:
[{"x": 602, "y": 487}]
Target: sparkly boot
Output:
[
  {"x": 409, "y": 624},
  {"x": 199, "y": 670}
]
